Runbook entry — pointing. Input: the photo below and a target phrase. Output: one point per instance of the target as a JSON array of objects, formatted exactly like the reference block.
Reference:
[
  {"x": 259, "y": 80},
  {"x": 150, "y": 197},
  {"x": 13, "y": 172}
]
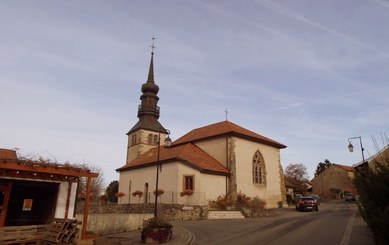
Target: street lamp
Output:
[
  {"x": 351, "y": 147},
  {"x": 168, "y": 143}
]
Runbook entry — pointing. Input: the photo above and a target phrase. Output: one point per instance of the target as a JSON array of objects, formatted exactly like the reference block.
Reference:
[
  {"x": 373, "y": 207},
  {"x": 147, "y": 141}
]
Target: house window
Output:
[
  {"x": 189, "y": 182},
  {"x": 259, "y": 171}
]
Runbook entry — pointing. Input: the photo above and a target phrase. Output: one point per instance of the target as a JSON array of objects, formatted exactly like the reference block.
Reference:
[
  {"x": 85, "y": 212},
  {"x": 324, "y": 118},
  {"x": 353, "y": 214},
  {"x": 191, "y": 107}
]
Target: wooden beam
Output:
[{"x": 37, "y": 168}]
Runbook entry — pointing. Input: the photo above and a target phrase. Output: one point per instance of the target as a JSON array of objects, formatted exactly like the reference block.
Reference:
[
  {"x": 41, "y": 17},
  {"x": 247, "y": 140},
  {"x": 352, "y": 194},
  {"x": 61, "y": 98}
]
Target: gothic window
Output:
[
  {"x": 259, "y": 170},
  {"x": 189, "y": 182},
  {"x": 150, "y": 139}
]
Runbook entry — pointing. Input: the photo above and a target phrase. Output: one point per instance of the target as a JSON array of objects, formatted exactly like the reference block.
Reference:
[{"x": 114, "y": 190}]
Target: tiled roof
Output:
[
  {"x": 225, "y": 128},
  {"x": 347, "y": 168},
  {"x": 188, "y": 154}
]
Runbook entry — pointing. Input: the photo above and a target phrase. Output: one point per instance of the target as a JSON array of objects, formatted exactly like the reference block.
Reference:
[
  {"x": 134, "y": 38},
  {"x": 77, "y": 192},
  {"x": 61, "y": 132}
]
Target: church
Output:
[{"x": 210, "y": 161}]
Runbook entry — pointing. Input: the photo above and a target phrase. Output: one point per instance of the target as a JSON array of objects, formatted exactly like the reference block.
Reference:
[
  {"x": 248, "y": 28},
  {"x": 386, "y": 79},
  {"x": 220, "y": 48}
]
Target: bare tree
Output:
[
  {"x": 297, "y": 175},
  {"x": 97, "y": 185}
]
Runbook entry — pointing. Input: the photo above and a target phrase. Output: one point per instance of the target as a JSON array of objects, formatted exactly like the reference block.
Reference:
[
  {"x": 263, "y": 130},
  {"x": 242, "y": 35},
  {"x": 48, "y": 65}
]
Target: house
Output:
[
  {"x": 33, "y": 192},
  {"x": 336, "y": 176},
  {"x": 222, "y": 158},
  {"x": 380, "y": 158}
]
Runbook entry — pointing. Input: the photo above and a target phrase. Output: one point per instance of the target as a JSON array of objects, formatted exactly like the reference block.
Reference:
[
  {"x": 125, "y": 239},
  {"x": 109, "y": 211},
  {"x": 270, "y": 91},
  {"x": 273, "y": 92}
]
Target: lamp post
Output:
[
  {"x": 168, "y": 142},
  {"x": 351, "y": 147}
]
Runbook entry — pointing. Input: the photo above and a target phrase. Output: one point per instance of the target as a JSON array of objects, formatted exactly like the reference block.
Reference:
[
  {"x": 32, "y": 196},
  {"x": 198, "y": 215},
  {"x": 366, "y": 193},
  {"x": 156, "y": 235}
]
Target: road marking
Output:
[{"x": 347, "y": 234}]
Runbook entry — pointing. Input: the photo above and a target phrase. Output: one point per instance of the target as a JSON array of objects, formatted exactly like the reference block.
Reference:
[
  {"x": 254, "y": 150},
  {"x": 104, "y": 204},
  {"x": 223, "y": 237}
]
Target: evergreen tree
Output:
[
  {"x": 373, "y": 189},
  {"x": 321, "y": 166},
  {"x": 111, "y": 190}
]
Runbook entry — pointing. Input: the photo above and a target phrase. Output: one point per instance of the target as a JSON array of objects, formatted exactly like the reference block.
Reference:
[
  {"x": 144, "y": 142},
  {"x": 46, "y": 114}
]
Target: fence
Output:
[{"x": 169, "y": 197}]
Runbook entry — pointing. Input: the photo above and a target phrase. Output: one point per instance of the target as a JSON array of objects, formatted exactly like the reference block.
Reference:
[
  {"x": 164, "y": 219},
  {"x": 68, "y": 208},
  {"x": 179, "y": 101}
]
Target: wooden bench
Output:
[{"x": 28, "y": 234}]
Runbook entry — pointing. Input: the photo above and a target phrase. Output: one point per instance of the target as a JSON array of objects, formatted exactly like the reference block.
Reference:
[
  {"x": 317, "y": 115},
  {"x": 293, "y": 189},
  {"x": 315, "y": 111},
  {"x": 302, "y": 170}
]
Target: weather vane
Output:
[{"x": 152, "y": 45}]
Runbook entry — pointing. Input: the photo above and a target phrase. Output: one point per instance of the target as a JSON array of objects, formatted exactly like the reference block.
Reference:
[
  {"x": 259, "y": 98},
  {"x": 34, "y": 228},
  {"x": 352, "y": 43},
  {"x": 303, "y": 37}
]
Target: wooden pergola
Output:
[{"x": 13, "y": 168}]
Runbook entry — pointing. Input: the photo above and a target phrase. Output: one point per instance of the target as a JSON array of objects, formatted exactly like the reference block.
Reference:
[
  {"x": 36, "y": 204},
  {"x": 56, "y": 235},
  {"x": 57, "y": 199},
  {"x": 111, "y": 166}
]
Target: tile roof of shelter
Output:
[
  {"x": 12, "y": 166},
  {"x": 188, "y": 154},
  {"x": 225, "y": 128}
]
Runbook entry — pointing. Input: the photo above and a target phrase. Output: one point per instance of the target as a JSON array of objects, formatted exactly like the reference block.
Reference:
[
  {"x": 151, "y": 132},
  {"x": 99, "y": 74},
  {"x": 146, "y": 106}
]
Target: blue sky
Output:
[{"x": 309, "y": 74}]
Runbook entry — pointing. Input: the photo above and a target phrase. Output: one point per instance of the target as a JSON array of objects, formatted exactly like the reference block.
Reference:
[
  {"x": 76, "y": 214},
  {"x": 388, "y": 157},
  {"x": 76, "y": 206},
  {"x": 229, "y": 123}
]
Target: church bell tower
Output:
[{"x": 145, "y": 134}]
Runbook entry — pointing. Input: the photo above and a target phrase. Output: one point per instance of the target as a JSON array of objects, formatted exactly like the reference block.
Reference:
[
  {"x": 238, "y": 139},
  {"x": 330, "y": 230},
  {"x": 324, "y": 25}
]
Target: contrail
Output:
[{"x": 293, "y": 14}]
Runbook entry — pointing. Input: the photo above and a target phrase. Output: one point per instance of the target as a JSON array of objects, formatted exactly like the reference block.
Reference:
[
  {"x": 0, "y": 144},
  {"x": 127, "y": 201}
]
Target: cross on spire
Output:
[
  {"x": 226, "y": 111},
  {"x": 152, "y": 46}
]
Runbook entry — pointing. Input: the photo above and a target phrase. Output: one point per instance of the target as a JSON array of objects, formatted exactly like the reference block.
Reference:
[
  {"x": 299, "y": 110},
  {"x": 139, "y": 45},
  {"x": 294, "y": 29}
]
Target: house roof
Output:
[
  {"x": 188, "y": 154},
  {"x": 225, "y": 128},
  {"x": 347, "y": 168}
]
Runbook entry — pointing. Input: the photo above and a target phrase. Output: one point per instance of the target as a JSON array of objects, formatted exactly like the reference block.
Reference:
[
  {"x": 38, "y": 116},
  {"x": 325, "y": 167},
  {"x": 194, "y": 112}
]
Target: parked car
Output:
[
  {"x": 307, "y": 203},
  {"x": 316, "y": 197},
  {"x": 349, "y": 197},
  {"x": 296, "y": 198}
]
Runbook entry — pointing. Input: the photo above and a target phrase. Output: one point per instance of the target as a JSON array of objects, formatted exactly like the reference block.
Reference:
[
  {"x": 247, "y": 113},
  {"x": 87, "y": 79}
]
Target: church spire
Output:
[
  {"x": 148, "y": 110},
  {"x": 151, "y": 68}
]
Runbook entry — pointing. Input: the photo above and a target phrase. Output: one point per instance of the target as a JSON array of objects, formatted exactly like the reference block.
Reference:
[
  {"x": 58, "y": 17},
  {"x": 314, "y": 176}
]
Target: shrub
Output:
[
  {"x": 289, "y": 199},
  {"x": 221, "y": 203},
  {"x": 250, "y": 207},
  {"x": 373, "y": 188}
]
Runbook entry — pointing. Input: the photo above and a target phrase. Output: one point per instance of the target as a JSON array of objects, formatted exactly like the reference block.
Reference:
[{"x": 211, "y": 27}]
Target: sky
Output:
[{"x": 308, "y": 74}]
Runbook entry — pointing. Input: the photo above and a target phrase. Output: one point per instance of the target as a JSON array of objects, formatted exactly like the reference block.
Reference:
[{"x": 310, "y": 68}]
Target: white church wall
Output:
[
  {"x": 206, "y": 186},
  {"x": 215, "y": 148},
  {"x": 135, "y": 180},
  {"x": 244, "y": 152},
  {"x": 171, "y": 180}
]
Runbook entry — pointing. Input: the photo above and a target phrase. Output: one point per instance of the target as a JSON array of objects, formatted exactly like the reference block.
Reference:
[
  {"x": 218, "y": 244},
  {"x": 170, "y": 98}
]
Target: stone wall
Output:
[{"x": 114, "y": 218}]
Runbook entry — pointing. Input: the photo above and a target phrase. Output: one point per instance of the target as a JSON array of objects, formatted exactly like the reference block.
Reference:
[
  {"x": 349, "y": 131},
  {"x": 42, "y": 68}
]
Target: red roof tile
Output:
[
  {"x": 347, "y": 168},
  {"x": 225, "y": 128},
  {"x": 188, "y": 154}
]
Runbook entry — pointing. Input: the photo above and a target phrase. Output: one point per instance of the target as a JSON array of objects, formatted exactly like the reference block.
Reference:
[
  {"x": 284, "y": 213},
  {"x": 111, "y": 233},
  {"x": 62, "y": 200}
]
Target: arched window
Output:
[
  {"x": 259, "y": 170},
  {"x": 133, "y": 139},
  {"x": 150, "y": 139}
]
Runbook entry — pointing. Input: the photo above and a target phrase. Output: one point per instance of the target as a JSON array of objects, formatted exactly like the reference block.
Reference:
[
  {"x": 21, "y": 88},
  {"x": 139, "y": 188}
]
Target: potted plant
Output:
[
  {"x": 187, "y": 193},
  {"x": 138, "y": 193},
  {"x": 159, "y": 193},
  {"x": 156, "y": 230},
  {"x": 119, "y": 195}
]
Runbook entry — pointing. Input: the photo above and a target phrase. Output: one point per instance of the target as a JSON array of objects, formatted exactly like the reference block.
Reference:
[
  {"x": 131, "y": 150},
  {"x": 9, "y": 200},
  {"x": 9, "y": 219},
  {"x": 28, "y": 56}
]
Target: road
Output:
[{"x": 337, "y": 222}]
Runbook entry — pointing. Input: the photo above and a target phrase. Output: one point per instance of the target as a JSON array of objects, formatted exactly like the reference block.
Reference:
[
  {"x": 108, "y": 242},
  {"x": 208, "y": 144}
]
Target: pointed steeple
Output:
[
  {"x": 148, "y": 110},
  {"x": 150, "y": 86}
]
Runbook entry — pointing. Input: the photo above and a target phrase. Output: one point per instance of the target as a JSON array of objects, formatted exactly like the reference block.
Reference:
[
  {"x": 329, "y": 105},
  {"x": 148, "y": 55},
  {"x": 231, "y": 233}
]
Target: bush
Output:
[
  {"x": 221, "y": 203},
  {"x": 250, "y": 207},
  {"x": 373, "y": 189},
  {"x": 289, "y": 199}
]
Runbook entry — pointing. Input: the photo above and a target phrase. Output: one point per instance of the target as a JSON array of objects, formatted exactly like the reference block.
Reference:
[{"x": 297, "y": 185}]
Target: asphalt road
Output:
[{"x": 337, "y": 222}]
